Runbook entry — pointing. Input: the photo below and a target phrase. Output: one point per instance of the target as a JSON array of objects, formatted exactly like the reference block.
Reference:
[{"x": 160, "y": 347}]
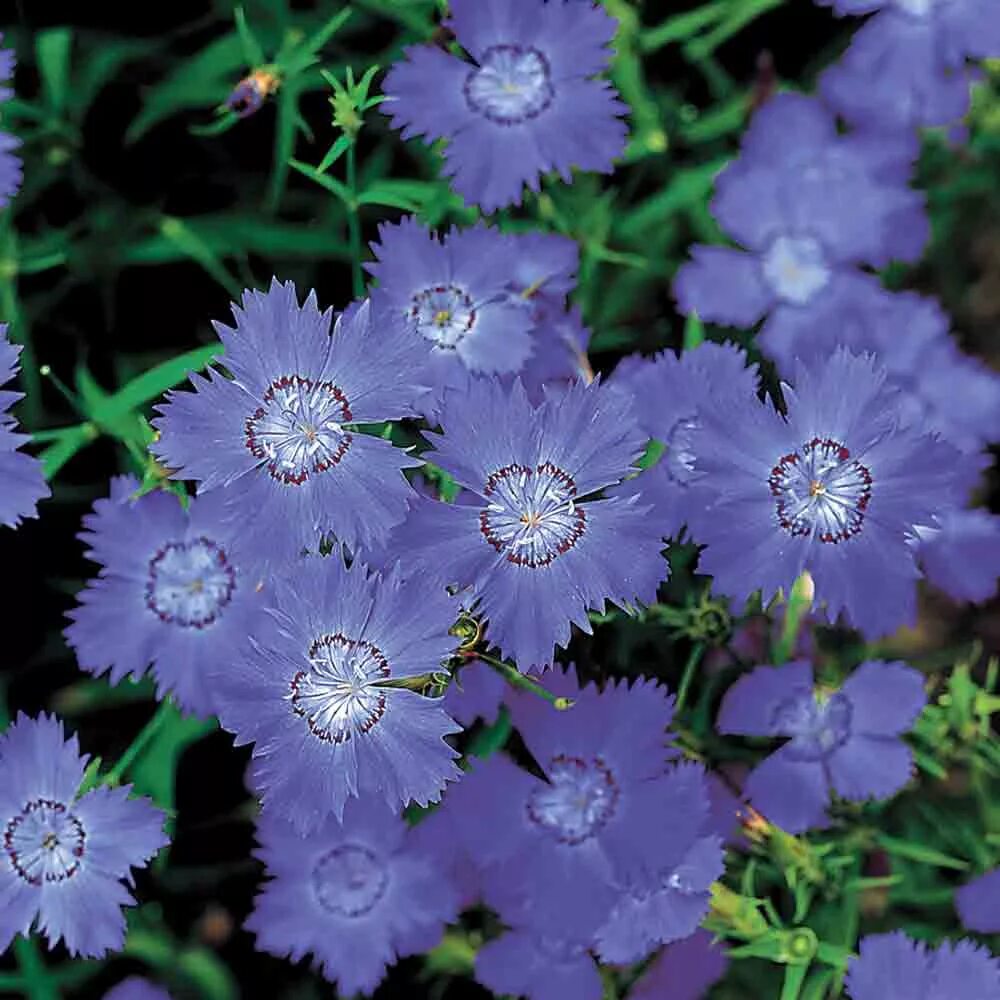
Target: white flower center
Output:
[
  {"x": 532, "y": 516},
  {"x": 579, "y": 798},
  {"x": 44, "y": 843},
  {"x": 339, "y": 695},
  {"x": 189, "y": 583},
  {"x": 795, "y": 268},
  {"x": 298, "y": 431},
  {"x": 821, "y": 492},
  {"x": 512, "y": 84},
  {"x": 444, "y": 314},
  {"x": 349, "y": 880}
]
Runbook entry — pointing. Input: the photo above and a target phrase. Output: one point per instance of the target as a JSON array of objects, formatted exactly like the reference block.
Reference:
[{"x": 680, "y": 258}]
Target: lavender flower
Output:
[
  {"x": 683, "y": 971},
  {"x": 559, "y": 854},
  {"x": 907, "y": 66},
  {"x": 356, "y": 894},
  {"x": 281, "y": 431},
  {"x": 135, "y": 988},
  {"x": 476, "y": 693},
  {"x": 538, "y": 966},
  {"x": 536, "y": 549},
  {"x": 978, "y": 903},
  {"x": 527, "y": 104},
  {"x": 314, "y": 691},
  {"x": 21, "y": 475},
  {"x": 173, "y": 592},
  {"x": 455, "y": 293},
  {"x": 836, "y": 487},
  {"x": 849, "y": 739},
  {"x": 807, "y": 218},
  {"x": 63, "y": 858},
  {"x": 669, "y": 391},
  {"x": 893, "y": 965},
  {"x": 11, "y": 172}
]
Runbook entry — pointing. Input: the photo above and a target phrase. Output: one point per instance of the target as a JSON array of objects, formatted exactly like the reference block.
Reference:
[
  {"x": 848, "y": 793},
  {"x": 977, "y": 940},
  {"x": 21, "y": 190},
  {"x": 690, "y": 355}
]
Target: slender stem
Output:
[
  {"x": 688, "y": 675},
  {"x": 799, "y": 603},
  {"x": 36, "y": 982},
  {"x": 354, "y": 225},
  {"x": 131, "y": 754},
  {"x": 515, "y": 678}
]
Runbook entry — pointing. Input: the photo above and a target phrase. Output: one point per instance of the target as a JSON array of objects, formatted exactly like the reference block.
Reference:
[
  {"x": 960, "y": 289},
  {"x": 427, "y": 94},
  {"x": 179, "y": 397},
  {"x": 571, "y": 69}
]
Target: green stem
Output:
[
  {"x": 795, "y": 977},
  {"x": 354, "y": 225},
  {"x": 146, "y": 734},
  {"x": 36, "y": 982},
  {"x": 799, "y": 603},
  {"x": 688, "y": 675},
  {"x": 515, "y": 678}
]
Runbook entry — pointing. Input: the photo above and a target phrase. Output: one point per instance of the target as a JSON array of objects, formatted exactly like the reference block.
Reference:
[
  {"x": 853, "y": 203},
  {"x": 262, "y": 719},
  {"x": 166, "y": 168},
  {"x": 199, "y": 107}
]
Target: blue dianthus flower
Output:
[
  {"x": 809, "y": 206},
  {"x": 535, "y": 549},
  {"x": 281, "y": 432},
  {"x": 560, "y": 854},
  {"x": 962, "y": 556},
  {"x": 978, "y": 903},
  {"x": 668, "y": 393},
  {"x": 173, "y": 592},
  {"x": 907, "y": 66},
  {"x": 836, "y": 487},
  {"x": 476, "y": 693},
  {"x": 63, "y": 859},
  {"x": 22, "y": 483},
  {"x": 849, "y": 739},
  {"x": 893, "y": 965},
  {"x": 313, "y": 691},
  {"x": 356, "y": 894},
  {"x": 11, "y": 171},
  {"x": 528, "y": 103}
]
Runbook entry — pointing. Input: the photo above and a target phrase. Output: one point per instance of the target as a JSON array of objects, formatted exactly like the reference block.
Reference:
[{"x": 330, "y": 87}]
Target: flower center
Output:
[
  {"x": 189, "y": 583},
  {"x": 444, "y": 314},
  {"x": 579, "y": 798},
  {"x": 338, "y": 695},
  {"x": 821, "y": 492},
  {"x": 44, "y": 843},
  {"x": 298, "y": 431},
  {"x": 817, "y": 727},
  {"x": 532, "y": 516},
  {"x": 349, "y": 880},
  {"x": 796, "y": 268},
  {"x": 511, "y": 85}
]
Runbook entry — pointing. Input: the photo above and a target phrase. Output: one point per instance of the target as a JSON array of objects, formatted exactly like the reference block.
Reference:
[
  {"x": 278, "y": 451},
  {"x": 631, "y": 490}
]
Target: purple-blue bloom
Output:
[
  {"x": 281, "y": 432},
  {"x": 63, "y": 859},
  {"x": 135, "y": 988},
  {"x": 11, "y": 172},
  {"x": 668, "y": 392},
  {"x": 907, "y": 66},
  {"x": 173, "y": 592},
  {"x": 893, "y": 965},
  {"x": 978, "y": 903},
  {"x": 848, "y": 739},
  {"x": 313, "y": 691},
  {"x": 835, "y": 486},
  {"x": 22, "y": 483},
  {"x": 527, "y": 104},
  {"x": 477, "y": 692},
  {"x": 683, "y": 971},
  {"x": 559, "y": 854},
  {"x": 535, "y": 548},
  {"x": 539, "y": 965},
  {"x": 356, "y": 894},
  {"x": 807, "y": 212}
]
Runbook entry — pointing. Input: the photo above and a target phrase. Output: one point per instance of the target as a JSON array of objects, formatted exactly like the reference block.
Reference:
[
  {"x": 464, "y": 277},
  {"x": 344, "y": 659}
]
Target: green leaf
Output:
[
  {"x": 304, "y": 55},
  {"x": 154, "y": 771},
  {"x": 686, "y": 188},
  {"x": 252, "y": 51},
  {"x": 334, "y": 153},
  {"x": 60, "y": 452},
  {"x": 190, "y": 243},
  {"x": 694, "y": 332},
  {"x": 341, "y": 190},
  {"x": 490, "y": 739},
  {"x": 920, "y": 852},
  {"x": 52, "y": 50},
  {"x": 681, "y": 27}
]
